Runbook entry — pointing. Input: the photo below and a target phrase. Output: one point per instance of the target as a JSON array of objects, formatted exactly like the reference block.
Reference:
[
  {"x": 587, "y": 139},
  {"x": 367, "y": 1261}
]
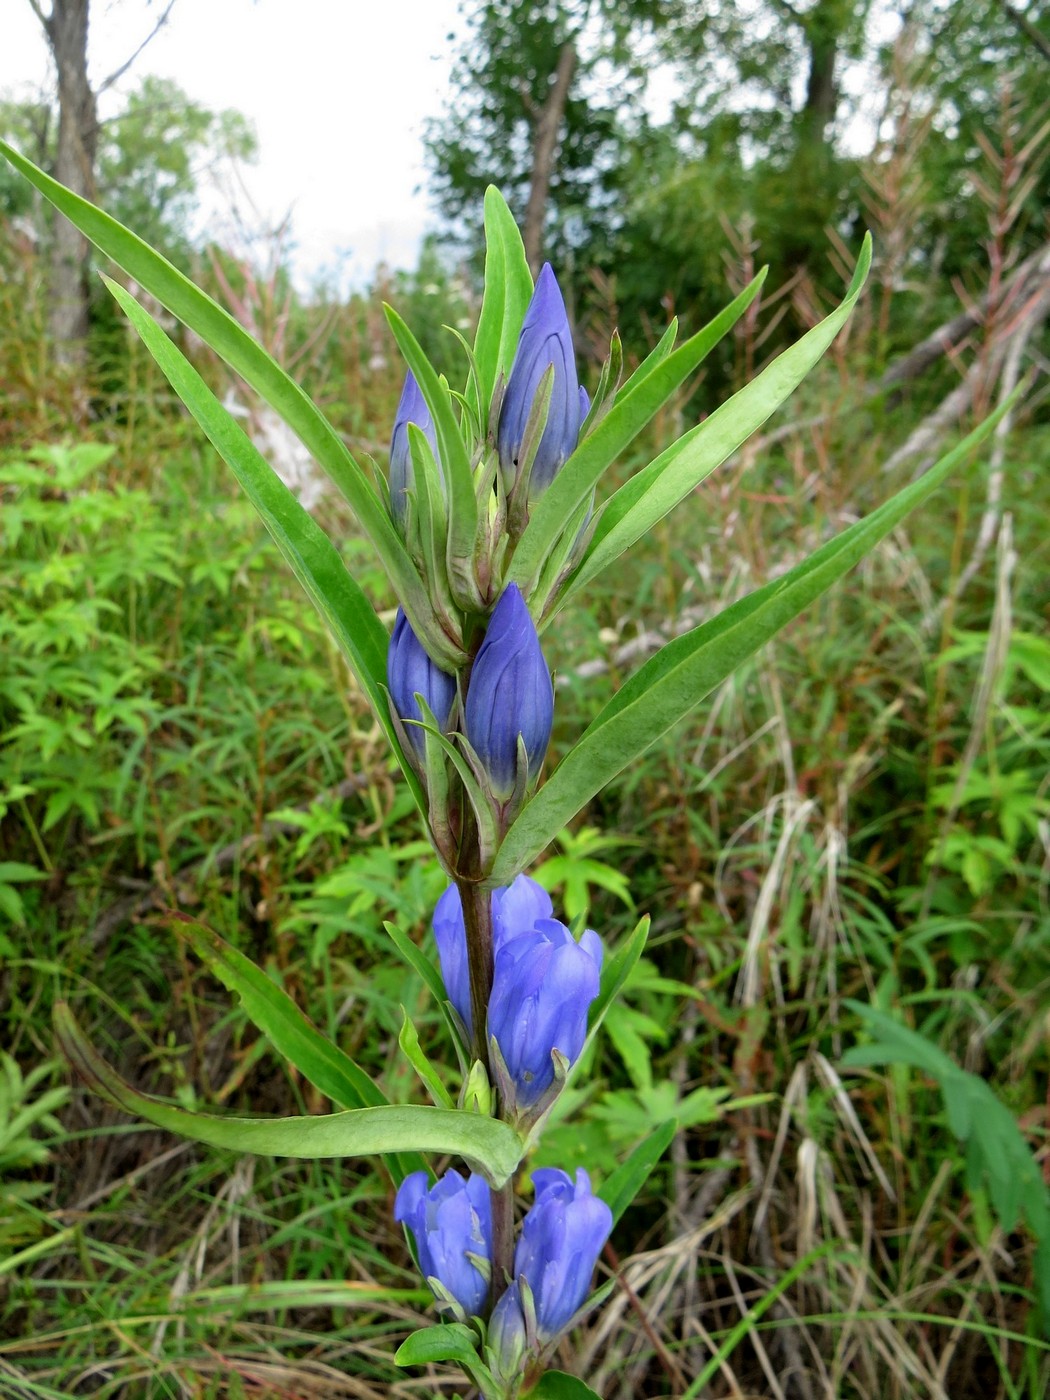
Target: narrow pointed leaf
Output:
[
  {"x": 232, "y": 342},
  {"x": 674, "y": 681},
  {"x": 508, "y": 287},
  {"x": 346, "y": 610},
  {"x": 492, "y": 1145},
  {"x": 408, "y": 1040},
  {"x": 418, "y": 961},
  {"x": 292, "y": 1034},
  {"x": 635, "y": 405},
  {"x": 274, "y": 1012},
  {"x": 653, "y": 492},
  {"x": 619, "y": 1189}
]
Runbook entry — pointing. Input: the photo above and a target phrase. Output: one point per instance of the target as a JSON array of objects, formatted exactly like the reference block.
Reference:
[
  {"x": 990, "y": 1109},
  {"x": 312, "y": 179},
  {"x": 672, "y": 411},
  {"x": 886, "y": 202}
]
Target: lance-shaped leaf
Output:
[
  {"x": 508, "y": 287},
  {"x": 349, "y": 615},
  {"x": 621, "y": 1186},
  {"x": 232, "y": 342},
  {"x": 493, "y": 1147},
  {"x": 635, "y": 405},
  {"x": 672, "y": 682},
  {"x": 455, "y": 463},
  {"x": 292, "y": 1034},
  {"x": 653, "y": 492}
]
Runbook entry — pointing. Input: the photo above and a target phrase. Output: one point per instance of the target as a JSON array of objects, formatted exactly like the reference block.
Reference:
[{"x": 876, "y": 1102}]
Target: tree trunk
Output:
[
  {"x": 544, "y": 147},
  {"x": 823, "y": 31},
  {"x": 67, "y": 33}
]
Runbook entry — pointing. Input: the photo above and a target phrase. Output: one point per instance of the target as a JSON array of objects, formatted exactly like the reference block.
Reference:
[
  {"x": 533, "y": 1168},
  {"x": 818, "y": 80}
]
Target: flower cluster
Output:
[
  {"x": 561, "y": 1238},
  {"x": 543, "y": 985},
  {"x": 506, "y": 700}
]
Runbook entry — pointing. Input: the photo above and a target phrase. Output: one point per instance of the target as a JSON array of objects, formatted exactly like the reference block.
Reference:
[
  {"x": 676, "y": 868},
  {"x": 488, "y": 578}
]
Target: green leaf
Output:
[
  {"x": 673, "y": 681},
  {"x": 445, "y": 1341},
  {"x": 418, "y": 961},
  {"x": 493, "y": 1146},
  {"x": 342, "y": 604},
  {"x": 636, "y": 403},
  {"x": 291, "y": 1033},
  {"x": 651, "y": 493},
  {"x": 557, "y": 1385},
  {"x": 621, "y": 1186},
  {"x": 617, "y": 970},
  {"x": 408, "y": 1040},
  {"x": 421, "y": 964},
  {"x": 508, "y": 288},
  {"x": 233, "y": 343}
]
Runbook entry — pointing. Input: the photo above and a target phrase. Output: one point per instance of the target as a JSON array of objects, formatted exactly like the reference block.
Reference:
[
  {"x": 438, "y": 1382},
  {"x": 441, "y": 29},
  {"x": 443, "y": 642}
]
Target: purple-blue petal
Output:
[
  {"x": 510, "y": 694},
  {"x": 449, "y": 1221},
  {"x": 545, "y": 340},
  {"x": 410, "y": 671}
]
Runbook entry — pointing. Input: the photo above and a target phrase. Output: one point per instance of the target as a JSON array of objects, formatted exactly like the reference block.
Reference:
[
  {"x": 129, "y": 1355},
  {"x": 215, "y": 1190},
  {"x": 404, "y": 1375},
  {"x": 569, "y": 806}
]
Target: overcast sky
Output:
[{"x": 338, "y": 91}]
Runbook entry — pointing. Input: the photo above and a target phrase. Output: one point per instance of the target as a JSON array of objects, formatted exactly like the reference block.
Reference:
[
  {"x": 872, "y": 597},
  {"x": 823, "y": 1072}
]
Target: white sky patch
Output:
[{"x": 338, "y": 92}]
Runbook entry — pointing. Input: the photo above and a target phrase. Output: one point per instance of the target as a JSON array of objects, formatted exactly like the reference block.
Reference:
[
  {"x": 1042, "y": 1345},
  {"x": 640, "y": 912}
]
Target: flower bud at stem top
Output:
[{"x": 545, "y": 340}]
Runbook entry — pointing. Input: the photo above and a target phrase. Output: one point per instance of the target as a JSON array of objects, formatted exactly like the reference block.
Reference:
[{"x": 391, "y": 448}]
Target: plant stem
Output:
[
  {"x": 502, "y": 1239},
  {"x": 477, "y": 921}
]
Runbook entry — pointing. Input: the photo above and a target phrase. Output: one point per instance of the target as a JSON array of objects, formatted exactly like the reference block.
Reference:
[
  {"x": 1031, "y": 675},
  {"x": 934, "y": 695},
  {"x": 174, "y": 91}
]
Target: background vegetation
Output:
[{"x": 858, "y": 819}]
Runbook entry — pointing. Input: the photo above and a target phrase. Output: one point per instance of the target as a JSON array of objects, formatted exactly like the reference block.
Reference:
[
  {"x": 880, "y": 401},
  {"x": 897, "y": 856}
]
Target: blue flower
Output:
[
  {"x": 410, "y": 671},
  {"x": 516, "y": 908},
  {"x": 509, "y": 694},
  {"x": 561, "y": 1239},
  {"x": 450, "y": 1221},
  {"x": 545, "y": 340},
  {"x": 412, "y": 408},
  {"x": 542, "y": 989},
  {"x": 507, "y": 1336}
]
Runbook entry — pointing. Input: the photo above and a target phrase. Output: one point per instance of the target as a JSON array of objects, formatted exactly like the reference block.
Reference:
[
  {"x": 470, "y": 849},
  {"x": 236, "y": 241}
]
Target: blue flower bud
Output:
[
  {"x": 450, "y": 1221},
  {"x": 561, "y": 1239},
  {"x": 507, "y": 1336},
  {"x": 516, "y": 909},
  {"x": 510, "y": 693},
  {"x": 545, "y": 340},
  {"x": 410, "y": 671},
  {"x": 412, "y": 408},
  {"x": 542, "y": 988}
]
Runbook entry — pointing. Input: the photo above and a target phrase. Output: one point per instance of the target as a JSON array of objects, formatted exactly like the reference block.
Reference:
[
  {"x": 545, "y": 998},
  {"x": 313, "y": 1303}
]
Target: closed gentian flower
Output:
[
  {"x": 507, "y": 1335},
  {"x": 542, "y": 988},
  {"x": 545, "y": 340},
  {"x": 510, "y": 694},
  {"x": 450, "y": 1221},
  {"x": 412, "y": 408},
  {"x": 516, "y": 909},
  {"x": 410, "y": 672},
  {"x": 561, "y": 1238}
]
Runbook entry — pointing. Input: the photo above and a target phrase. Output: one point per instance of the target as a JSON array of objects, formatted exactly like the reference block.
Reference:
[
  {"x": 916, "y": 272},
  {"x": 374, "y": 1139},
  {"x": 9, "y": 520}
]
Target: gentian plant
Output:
[{"x": 493, "y": 518}]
